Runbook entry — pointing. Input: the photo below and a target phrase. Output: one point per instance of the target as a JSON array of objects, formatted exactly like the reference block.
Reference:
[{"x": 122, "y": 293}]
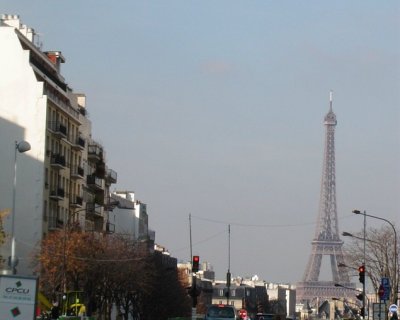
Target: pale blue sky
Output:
[{"x": 216, "y": 108}]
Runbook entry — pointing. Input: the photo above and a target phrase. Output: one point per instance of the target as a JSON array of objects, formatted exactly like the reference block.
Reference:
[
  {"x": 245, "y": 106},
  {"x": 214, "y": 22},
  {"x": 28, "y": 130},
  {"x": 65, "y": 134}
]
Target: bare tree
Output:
[{"x": 379, "y": 256}]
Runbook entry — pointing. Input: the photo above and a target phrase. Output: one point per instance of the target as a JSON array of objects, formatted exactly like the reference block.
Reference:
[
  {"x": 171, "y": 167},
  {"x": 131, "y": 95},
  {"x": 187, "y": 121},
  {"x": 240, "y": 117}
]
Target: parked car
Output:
[
  {"x": 265, "y": 316},
  {"x": 221, "y": 312}
]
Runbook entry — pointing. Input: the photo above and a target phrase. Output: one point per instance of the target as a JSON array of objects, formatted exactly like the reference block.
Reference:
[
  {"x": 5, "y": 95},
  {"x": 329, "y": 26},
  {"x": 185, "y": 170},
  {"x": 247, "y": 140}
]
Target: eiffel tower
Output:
[{"x": 326, "y": 241}]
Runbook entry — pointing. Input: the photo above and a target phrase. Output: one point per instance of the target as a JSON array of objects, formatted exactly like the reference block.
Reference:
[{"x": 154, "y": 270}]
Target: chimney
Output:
[
  {"x": 56, "y": 58},
  {"x": 13, "y": 20}
]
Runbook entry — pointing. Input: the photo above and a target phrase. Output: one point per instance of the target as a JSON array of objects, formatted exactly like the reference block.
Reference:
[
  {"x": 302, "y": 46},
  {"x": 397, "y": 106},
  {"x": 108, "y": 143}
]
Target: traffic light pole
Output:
[
  {"x": 194, "y": 297},
  {"x": 365, "y": 230}
]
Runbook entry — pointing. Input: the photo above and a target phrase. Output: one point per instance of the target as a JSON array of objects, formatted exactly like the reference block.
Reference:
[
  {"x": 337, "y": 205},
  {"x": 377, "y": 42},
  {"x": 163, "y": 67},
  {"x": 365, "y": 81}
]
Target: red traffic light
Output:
[
  {"x": 381, "y": 291},
  {"x": 243, "y": 313},
  {"x": 361, "y": 273},
  {"x": 195, "y": 263}
]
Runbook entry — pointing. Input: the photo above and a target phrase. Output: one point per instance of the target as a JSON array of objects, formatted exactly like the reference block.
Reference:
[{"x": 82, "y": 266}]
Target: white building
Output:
[
  {"x": 285, "y": 295},
  {"x": 130, "y": 216},
  {"x": 63, "y": 178}
]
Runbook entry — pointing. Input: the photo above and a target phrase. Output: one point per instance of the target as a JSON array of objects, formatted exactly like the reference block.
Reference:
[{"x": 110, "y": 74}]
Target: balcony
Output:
[
  {"x": 99, "y": 198},
  {"x": 89, "y": 225},
  {"x": 111, "y": 176},
  {"x": 79, "y": 144},
  {"x": 100, "y": 169},
  {"x": 77, "y": 172},
  {"x": 55, "y": 223},
  {"x": 95, "y": 152},
  {"x": 95, "y": 182},
  {"x": 110, "y": 227},
  {"x": 57, "y": 161},
  {"x": 95, "y": 225},
  {"x": 57, "y": 194},
  {"x": 99, "y": 225},
  {"x": 76, "y": 201},
  {"x": 58, "y": 129},
  {"x": 94, "y": 210}
]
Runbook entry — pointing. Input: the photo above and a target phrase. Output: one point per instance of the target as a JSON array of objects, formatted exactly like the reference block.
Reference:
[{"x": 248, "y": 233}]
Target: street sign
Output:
[
  {"x": 17, "y": 297},
  {"x": 379, "y": 311},
  {"x": 385, "y": 283},
  {"x": 393, "y": 308}
]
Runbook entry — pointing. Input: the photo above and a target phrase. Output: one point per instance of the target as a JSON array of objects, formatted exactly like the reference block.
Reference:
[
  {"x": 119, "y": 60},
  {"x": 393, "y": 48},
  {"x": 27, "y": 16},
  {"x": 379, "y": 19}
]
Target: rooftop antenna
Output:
[{"x": 330, "y": 100}]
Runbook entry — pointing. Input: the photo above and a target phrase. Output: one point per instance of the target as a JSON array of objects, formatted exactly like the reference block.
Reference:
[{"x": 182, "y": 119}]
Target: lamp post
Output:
[
  {"x": 364, "y": 235},
  {"x": 348, "y": 234},
  {"x": 396, "y": 262},
  {"x": 21, "y": 147}
]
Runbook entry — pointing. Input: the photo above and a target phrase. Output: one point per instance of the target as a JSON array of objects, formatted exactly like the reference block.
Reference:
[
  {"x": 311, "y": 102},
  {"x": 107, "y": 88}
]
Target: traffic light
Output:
[
  {"x": 195, "y": 263},
  {"x": 228, "y": 279},
  {"x": 361, "y": 273}
]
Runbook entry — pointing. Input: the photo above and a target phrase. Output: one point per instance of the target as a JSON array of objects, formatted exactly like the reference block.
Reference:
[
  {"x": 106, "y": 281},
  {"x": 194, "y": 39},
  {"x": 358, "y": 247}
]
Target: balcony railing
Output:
[
  {"x": 79, "y": 144},
  {"x": 76, "y": 201},
  {"x": 57, "y": 161},
  {"x": 89, "y": 225},
  {"x": 57, "y": 194},
  {"x": 55, "y": 223},
  {"x": 61, "y": 103},
  {"x": 111, "y": 176},
  {"x": 94, "y": 182},
  {"x": 77, "y": 172},
  {"x": 58, "y": 128},
  {"x": 93, "y": 209},
  {"x": 95, "y": 152},
  {"x": 110, "y": 227}
]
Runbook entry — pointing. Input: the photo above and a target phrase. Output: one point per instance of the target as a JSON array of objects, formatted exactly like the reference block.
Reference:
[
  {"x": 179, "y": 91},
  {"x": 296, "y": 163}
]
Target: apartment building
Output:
[
  {"x": 63, "y": 180},
  {"x": 130, "y": 216}
]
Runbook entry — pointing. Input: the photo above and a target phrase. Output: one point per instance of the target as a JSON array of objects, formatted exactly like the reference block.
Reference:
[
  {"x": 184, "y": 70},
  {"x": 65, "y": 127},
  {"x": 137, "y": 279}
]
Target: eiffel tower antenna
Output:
[{"x": 326, "y": 241}]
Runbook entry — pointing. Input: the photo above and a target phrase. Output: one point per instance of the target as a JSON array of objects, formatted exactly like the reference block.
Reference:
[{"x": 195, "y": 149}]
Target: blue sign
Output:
[
  {"x": 386, "y": 288},
  {"x": 393, "y": 308},
  {"x": 385, "y": 282}
]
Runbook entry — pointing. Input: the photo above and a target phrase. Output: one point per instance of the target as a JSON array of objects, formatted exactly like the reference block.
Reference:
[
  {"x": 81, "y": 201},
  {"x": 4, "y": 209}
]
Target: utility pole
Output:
[
  {"x": 228, "y": 275},
  {"x": 194, "y": 268},
  {"x": 365, "y": 233}
]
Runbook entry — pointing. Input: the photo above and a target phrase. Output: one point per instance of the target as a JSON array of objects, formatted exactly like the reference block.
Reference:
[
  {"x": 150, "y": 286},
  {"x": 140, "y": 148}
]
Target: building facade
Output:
[
  {"x": 130, "y": 216},
  {"x": 63, "y": 180}
]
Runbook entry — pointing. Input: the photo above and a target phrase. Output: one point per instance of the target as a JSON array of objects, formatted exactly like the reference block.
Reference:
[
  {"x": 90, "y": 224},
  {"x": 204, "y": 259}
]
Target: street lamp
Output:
[
  {"x": 21, "y": 147},
  {"x": 348, "y": 234},
  {"x": 363, "y": 266},
  {"x": 396, "y": 263}
]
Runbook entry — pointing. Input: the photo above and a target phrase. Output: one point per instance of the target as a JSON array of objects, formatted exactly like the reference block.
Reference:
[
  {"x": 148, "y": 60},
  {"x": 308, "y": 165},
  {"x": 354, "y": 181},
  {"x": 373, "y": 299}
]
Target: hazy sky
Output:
[{"x": 215, "y": 109}]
